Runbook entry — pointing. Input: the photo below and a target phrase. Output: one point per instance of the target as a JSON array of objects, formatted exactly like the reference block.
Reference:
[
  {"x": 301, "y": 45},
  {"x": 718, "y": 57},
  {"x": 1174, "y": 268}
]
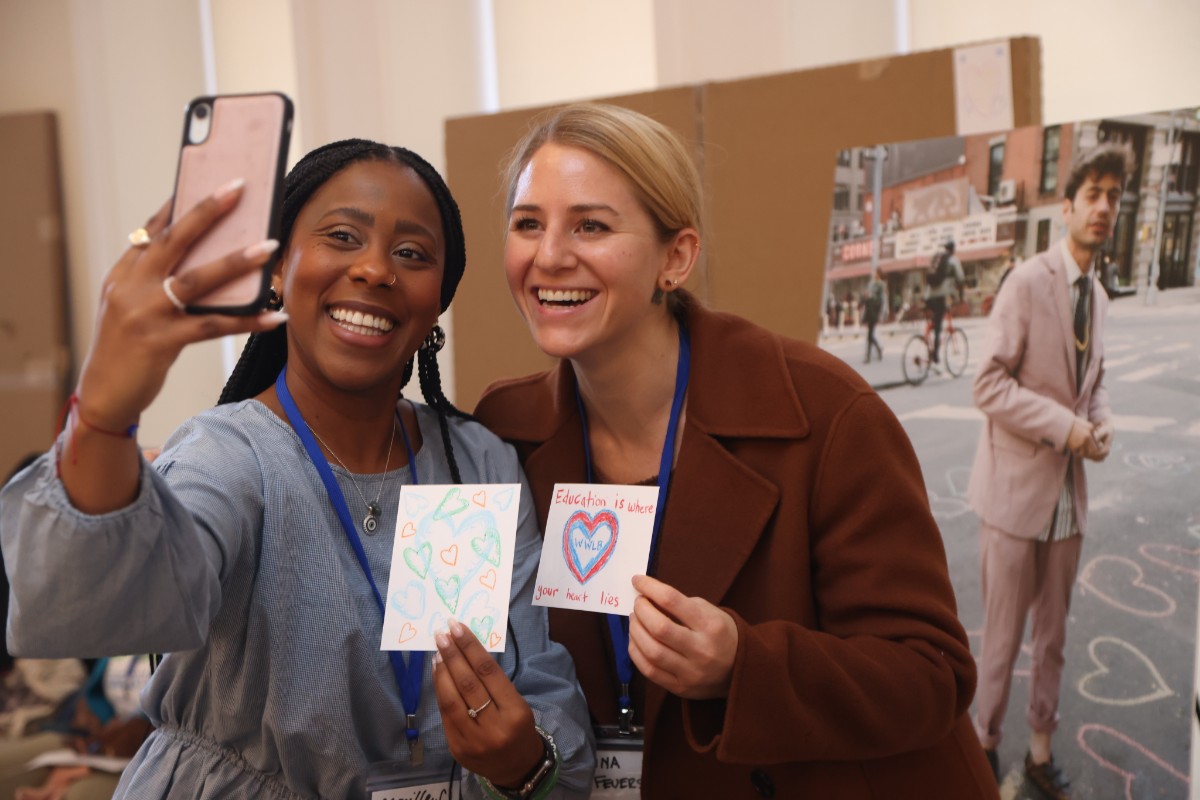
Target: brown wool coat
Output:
[{"x": 797, "y": 504}]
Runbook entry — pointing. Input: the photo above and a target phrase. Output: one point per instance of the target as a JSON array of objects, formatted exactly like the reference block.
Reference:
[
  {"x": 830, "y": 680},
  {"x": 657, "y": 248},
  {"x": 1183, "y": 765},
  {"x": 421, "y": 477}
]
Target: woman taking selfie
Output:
[
  {"x": 798, "y": 635},
  {"x": 234, "y": 553}
]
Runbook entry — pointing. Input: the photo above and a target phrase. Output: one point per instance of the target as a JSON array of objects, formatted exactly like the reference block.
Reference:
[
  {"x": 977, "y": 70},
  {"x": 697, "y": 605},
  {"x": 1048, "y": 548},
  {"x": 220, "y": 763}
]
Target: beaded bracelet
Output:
[{"x": 542, "y": 789}]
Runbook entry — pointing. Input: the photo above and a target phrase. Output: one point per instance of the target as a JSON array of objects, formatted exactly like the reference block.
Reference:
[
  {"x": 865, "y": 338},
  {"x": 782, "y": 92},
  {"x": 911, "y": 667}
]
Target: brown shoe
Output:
[{"x": 1051, "y": 781}]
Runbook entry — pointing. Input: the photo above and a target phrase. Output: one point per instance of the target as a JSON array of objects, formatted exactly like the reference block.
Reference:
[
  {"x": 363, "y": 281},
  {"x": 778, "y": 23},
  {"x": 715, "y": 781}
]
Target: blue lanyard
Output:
[
  {"x": 408, "y": 677},
  {"x": 618, "y": 626}
]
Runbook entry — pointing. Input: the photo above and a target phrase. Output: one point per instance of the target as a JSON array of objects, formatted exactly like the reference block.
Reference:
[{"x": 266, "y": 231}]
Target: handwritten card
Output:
[
  {"x": 452, "y": 557},
  {"x": 597, "y": 539}
]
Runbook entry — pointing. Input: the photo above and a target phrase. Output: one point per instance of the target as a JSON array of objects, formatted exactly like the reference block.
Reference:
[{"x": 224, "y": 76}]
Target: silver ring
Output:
[
  {"x": 474, "y": 712},
  {"x": 139, "y": 238},
  {"x": 175, "y": 301}
]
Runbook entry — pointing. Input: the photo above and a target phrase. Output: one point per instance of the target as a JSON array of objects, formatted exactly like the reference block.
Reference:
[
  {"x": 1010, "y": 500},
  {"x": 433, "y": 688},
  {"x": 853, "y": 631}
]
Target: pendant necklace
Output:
[{"x": 370, "y": 522}]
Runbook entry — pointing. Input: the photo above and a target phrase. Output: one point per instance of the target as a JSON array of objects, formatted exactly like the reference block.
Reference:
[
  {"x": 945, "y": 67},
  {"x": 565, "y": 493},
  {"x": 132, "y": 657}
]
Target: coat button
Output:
[{"x": 762, "y": 783}]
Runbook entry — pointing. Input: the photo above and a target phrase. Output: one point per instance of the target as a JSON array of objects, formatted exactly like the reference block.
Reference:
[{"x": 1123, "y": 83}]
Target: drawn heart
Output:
[
  {"x": 494, "y": 640},
  {"x": 1158, "y": 462},
  {"x": 1141, "y": 600},
  {"x": 481, "y": 627},
  {"x": 407, "y": 631},
  {"x": 1109, "y": 741},
  {"x": 487, "y": 546},
  {"x": 1121, "y": 676},
  {"x": 418, "y": 559},
  {"x": 448, "y": 590},
  {"x": 488, "y": 579},
  {"x": 414, "y": 503},
  {"x": 585, "y": 552},
  {"x": 480, "y": 498},
  {"x": 410, "y": 602},
  {"x": 503, "y": 499},
  {"x": 408, "y": 531},
  {"x": 1173, "y": 557},
  {"x": 449, "y": 555},
  {"x": 451, "y": 504}
]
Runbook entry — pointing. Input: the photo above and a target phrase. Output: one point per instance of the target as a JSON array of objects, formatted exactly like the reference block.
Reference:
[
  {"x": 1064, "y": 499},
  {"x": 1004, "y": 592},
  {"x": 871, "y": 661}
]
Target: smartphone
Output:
[{"x": 226, "y": 137}]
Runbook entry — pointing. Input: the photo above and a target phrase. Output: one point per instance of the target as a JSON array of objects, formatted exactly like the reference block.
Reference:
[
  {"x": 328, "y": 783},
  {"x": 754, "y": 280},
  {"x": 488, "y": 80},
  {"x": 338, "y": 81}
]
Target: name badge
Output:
[
  {"x": 395, "y": 781},
  {"x": 618, "y": 768}
]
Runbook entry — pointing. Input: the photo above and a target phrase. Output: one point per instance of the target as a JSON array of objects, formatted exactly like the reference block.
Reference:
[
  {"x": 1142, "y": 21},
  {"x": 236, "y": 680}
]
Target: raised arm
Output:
[{"x": 139, "y": 334}]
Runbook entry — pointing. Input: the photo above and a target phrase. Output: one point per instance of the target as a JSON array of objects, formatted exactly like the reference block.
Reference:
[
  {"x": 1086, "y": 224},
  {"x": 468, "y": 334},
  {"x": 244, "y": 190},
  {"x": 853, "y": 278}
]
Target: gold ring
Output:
[
  {"x": 139, "y": 238},
  {"x": 174, "y": 298},
  {"x": 474, "y": 712}
]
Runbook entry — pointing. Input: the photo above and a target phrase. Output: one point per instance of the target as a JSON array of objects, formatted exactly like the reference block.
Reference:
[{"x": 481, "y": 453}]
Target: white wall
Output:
[{"x": 118, "y": 73}]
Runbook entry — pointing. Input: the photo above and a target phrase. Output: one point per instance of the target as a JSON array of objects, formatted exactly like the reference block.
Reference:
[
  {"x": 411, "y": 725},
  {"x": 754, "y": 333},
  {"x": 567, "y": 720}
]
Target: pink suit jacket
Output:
[{"x": 1026, "y": 389}]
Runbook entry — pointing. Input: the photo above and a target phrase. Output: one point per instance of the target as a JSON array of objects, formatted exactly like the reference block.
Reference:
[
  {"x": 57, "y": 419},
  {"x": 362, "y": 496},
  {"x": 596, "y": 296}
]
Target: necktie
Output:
[{"x": 1081, "y": 328}]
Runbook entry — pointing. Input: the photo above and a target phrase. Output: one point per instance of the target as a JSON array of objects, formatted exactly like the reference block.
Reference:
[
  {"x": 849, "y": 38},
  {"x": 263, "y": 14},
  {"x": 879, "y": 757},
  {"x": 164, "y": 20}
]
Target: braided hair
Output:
[{"x": 265, "y": 354}]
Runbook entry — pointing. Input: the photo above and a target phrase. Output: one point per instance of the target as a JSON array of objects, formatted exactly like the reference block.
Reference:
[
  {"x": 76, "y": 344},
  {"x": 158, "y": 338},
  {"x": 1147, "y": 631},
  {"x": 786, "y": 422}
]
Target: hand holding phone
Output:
[{"x": 226, "y": 137}]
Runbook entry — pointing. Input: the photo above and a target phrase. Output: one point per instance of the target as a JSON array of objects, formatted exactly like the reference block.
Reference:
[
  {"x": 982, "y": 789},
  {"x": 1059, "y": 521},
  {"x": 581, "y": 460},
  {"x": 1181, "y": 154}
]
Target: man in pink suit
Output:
[{"x": 1040, "y": 386}]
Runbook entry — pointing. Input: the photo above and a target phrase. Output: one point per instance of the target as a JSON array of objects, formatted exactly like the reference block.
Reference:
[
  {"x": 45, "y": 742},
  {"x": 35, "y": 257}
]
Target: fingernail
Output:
[
  {"x": 274, "y": 318},
  {"x": 261, "y": 249},
  {"x": 457, "y": 629},
  {"x": 442, "y": 640},
  {"x": 437, "y": 659},
  {"x": 229, "y": 188}
]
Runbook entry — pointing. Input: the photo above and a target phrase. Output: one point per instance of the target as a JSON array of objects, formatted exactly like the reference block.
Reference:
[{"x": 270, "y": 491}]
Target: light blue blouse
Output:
[{"x": 232, "y": 561}]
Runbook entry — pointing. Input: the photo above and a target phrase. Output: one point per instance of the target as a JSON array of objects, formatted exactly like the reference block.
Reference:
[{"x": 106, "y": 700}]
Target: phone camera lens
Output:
[{"x": 201, "y": 112}]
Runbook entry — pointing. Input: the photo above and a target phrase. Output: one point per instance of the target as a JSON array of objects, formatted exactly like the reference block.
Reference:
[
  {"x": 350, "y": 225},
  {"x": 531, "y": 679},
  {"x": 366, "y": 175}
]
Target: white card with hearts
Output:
[
  {"x": 452, "y": 558},
  {"x": 597, "y": 538}
]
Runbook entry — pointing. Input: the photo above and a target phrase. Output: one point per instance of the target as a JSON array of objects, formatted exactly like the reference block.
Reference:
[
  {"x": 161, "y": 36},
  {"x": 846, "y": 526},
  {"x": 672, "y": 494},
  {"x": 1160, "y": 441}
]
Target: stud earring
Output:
[{"x": 274, "y": 300}]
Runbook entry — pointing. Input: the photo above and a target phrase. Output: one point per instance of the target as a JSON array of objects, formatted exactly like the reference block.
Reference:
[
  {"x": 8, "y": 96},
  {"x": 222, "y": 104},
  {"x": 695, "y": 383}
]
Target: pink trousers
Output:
[{"x": 1022, "y": 576}]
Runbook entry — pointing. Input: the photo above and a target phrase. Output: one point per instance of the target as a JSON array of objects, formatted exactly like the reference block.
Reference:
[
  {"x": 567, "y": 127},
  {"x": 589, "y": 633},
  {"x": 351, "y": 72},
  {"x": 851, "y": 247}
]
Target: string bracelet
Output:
[{"x": 71, "y": 411}]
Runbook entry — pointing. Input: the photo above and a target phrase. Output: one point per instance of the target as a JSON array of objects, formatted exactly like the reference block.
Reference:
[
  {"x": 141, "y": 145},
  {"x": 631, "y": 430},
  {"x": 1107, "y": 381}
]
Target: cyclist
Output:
[{"x": 944, "y": 268}]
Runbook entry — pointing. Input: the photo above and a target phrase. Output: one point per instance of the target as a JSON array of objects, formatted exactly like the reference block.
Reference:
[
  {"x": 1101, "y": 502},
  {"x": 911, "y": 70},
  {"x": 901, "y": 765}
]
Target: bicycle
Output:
[{"x": 917, "y": 360}]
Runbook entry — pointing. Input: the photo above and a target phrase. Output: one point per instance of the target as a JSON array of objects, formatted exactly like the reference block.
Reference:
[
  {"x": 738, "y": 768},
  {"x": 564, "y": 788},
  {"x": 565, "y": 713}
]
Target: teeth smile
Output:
[
  {"x": 568, "y": 297},
  {"x": 358, "y": 322}
]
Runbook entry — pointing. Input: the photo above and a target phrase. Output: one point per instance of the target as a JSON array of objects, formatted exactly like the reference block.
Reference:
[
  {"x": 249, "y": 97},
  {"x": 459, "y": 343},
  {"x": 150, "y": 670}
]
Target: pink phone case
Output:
[{"x": 247, "y": 138}]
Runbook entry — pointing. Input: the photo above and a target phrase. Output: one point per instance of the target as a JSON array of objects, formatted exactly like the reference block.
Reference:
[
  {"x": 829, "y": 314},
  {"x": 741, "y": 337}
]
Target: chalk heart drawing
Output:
[
  {"x": 449, "y": 555},
  {"x": 1173, "y": 557},
  {"x": 493, "y": 639},
  {"x": 448, "y": 590},
  {"x": 414, "y": 504},
  {"x": 480, "y": 498},
  {"x": 418, "y": 558},
  {"x": 1109, "y": 741},
  {"x": 1133, "y": 596},
  {"x": 407, "y": 631},
  {"x": 1093, "y": 685},
  {"x": 589, "y": 542},
  {"x": 408, "y": 531},
  {"x": 451, "y": 504},
  {"x": 488, "y": 579},
  {"x": 410, "y": 601},
  {"x": 487, "y": 546},
  {"x": 476, "y": 611},
  {"x": 503, "y": 499},
  {"x": 1157, "y": 462}
]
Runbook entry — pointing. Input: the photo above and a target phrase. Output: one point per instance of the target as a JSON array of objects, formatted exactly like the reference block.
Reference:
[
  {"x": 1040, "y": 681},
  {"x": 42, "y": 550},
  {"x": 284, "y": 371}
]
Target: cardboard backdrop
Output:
[{"x": 765, "y": 146}]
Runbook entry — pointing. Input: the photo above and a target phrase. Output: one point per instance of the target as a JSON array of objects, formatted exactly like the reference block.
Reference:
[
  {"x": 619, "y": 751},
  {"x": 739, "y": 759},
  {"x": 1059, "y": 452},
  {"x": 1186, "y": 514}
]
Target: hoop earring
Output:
[{"x": 435, "y": 341}]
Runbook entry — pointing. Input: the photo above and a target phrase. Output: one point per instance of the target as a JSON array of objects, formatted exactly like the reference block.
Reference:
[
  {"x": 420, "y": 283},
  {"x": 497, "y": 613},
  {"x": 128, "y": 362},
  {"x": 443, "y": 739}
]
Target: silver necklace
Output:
[{"x": 370, "y": 522}]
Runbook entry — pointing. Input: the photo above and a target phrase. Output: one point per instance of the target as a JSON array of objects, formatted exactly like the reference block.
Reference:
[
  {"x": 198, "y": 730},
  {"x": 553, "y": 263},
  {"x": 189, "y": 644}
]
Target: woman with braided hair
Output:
[{"x": 232, "y": 553}]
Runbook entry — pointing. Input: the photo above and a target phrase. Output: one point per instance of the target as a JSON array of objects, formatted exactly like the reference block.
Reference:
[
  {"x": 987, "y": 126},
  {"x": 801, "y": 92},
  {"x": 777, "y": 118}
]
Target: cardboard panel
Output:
[
  {"x": 491, "y": 340},
  {"x": 770, "y": 145},
  {"x": 34, "y": 356},
  {"x": 766, "y": 148}
]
